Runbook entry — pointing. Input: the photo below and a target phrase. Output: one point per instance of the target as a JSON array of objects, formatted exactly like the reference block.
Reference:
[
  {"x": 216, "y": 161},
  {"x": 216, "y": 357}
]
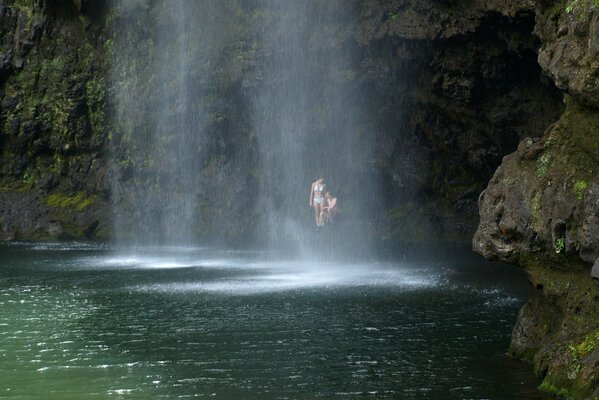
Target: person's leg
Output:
[
  {"x": 319, "y": 223},
  {"x": 323, "y": 217},
  {"x": 317, "y": 213}
]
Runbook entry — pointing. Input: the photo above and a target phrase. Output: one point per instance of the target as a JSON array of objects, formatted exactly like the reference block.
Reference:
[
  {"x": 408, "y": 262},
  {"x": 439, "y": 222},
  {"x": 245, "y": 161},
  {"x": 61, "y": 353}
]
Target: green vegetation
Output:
[
  {"x": 56, "y": 115},
  {"x": 537, "y": 221},
  {"x": 77, "y": 202},
  {"x": 566, "y": 287},
  {"x": 581, "y": 5},
  {"x": 24, "y": 6},
  {"x": 560, "y": 244},
  {"x": 579, "y": 188},
  {"x": 392, "y": 16},
  {"x": 579, "y": 349},
  {"x": 552, "y": 390},
  {"x": 543, "y": 164},
  {"x": 589, "y": 344}
]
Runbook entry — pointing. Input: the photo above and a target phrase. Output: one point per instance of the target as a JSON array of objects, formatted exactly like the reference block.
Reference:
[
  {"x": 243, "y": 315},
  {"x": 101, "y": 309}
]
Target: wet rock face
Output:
[
  {"x": 537, "y": 320},
  {"x": 570, "y": 50},
  {"x": 432, "y": 20},
  {"x": 544, "y": 198},
  {"x": 469, "y": 89},
  {"x": 541, "y": 210},
  {"x": 52, "y": 127},
  {"x": 31, "y": 216}
]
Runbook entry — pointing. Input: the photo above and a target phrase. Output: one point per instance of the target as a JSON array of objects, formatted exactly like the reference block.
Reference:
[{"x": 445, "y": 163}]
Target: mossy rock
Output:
[{"x": 77, "y": 202}]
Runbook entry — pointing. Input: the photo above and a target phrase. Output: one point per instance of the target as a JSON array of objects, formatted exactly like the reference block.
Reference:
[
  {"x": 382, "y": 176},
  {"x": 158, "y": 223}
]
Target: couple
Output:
[{"x": 325, "y": 205}]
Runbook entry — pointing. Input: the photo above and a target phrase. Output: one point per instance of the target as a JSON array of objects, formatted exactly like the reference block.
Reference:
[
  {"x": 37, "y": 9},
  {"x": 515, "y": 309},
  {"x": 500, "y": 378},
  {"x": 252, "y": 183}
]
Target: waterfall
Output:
[
  {"x": 161, "y": 120},
  {"x": 311, "y": 123},
  {"x": 225, "y": 112}
]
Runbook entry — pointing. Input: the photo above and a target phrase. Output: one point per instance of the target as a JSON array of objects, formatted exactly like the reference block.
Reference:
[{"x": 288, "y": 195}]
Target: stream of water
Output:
[{"x": 79, "y": 322}]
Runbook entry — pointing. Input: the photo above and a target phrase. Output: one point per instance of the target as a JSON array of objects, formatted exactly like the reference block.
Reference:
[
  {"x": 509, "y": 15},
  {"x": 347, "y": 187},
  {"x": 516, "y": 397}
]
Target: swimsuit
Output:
[{"x": 320, "y": 189}]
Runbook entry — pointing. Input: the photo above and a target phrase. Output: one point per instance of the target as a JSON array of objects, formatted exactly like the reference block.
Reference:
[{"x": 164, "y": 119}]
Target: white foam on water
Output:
[
  {"x": 269, "y": 276},
  {"x": 60, "y": 246},
  {"x": 152, "y": 262},
  {"x": 250, "y": 272},
  {"x": 174, "y": 257}
]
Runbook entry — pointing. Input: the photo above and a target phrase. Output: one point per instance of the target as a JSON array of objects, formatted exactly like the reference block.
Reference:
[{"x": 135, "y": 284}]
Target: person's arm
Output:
[
  {"x": 333, "y": 203},
  {"x": 311, "y": 194}
]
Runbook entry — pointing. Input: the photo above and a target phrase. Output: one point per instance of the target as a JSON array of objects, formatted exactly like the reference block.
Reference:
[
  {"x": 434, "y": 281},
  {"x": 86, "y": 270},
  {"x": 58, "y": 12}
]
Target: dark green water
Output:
[{"x": 78, "y": 322}]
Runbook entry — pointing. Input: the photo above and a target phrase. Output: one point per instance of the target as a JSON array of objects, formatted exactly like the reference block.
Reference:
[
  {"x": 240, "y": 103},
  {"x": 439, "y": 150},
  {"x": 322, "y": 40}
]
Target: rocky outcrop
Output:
[
  {"x": 541, "y": 210},
  {"x": 569, "y": 32},
  {"x": 545, "y": 196}
]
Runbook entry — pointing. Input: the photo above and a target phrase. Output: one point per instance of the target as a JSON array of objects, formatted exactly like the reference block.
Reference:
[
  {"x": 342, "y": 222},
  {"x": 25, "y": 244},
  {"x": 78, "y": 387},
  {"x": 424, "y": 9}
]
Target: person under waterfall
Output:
[
  {"x": 317, "y": 199},
  {"x": 329, "y": 209}
]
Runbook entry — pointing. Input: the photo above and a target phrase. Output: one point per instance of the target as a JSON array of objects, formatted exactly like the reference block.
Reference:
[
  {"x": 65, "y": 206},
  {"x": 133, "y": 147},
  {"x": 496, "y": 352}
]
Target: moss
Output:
[
  {"x": 28, "y": 181},
  {"x": 548, "y": 388},
  {"x": 566, "y": 285},
  {"x": 96, "y": 95},
  {"x": 543, "y": 164},
  {"x": 588, "y": 344},
  {"x": 77, "y": 202},
  {"x": 567, "y": 168},
  {"x": 24, "y": 6},
  {"x": 579, "y": 188},
  {"x": 580, "y": 7},
  {"x": 537, "y": 221},
  {"x": 580, "y": 128},
  {"x": 47, "y": 88}
]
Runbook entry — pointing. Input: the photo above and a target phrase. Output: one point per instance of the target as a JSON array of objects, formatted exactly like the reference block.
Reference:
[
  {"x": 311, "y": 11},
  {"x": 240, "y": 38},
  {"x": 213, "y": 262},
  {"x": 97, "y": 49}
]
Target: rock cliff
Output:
[
  {"x": 541, "y": 210},
  {"x": 53, "y": 131}
]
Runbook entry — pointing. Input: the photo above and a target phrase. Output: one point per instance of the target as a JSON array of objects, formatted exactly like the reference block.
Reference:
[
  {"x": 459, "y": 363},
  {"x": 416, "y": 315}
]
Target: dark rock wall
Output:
[
  {"x": 541, "y": 210},
  {"x": 466, "y": 89},
  {"x": 53, "y": 128}
]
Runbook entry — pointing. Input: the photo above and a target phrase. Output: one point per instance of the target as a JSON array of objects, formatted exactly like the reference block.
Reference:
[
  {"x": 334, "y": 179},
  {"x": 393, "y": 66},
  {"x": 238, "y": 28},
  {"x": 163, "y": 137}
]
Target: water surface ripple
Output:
[{"x": 79, "y": 322}]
